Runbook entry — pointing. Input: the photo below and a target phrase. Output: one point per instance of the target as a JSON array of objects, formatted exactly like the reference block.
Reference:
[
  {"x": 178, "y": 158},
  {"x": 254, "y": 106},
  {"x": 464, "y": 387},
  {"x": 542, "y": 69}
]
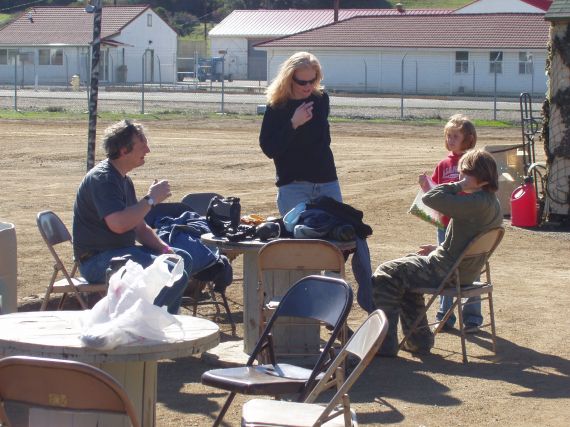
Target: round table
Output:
[
  {"x": 55, "y": 334},
  {"x": 250, "y": 250}
]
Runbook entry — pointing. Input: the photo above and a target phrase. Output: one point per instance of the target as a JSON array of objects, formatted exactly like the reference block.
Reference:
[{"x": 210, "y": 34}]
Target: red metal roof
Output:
[
  {"x": 272, "y": 23},
  {"x": 469, "y": 31},
  {"x": 65, "y": 25},
  {"x": 541, "y": 4}
]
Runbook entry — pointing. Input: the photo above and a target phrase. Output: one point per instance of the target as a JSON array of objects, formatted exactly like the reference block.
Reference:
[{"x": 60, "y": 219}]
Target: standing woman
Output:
[{"x": 295, "y": 133}]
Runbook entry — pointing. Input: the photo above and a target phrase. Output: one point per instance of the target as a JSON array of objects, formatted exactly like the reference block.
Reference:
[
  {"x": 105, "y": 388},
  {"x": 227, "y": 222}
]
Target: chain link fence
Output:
[{"x": 149, "y": 83}]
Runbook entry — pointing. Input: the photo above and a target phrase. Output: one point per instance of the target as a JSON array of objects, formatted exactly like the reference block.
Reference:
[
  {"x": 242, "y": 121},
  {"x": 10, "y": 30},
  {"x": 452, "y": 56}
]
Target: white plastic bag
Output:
[
  {"x": 424, "y": 212},
  {"x": 127, "y": 313}
]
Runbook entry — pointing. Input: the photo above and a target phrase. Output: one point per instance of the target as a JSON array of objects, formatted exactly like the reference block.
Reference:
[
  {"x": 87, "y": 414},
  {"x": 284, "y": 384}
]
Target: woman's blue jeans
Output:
[
  {"x": 290, "y": 195},
  {"x": 94, "y": 270}
]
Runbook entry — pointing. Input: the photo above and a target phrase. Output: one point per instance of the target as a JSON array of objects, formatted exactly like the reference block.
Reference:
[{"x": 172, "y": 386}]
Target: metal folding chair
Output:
[
  {"x": 63, "y": 385},
  {"x": 363, "y": 345},
  {"x": 482, "y": 246},
  {"x": 55, "y": 233},
  {"x": 325, "y": 299}
]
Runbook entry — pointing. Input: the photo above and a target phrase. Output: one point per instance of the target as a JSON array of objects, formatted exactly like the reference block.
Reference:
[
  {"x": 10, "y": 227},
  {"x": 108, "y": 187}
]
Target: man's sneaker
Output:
[{"x": 471, "y": 328}]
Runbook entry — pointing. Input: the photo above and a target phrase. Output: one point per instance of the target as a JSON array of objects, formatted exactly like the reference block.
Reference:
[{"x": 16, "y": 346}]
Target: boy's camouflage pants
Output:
[{"x": 390, "y": 284}]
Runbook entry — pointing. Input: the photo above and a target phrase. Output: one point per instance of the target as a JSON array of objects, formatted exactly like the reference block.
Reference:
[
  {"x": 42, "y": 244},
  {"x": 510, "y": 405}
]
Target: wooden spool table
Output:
[
  {"x": 251, "y": 303},
  {"x": 55, "y": 334}
]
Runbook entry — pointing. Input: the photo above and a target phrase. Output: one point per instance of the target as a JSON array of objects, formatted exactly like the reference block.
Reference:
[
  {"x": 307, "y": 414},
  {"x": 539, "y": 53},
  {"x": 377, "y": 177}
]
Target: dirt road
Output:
[{"x": 527, "y": 383}]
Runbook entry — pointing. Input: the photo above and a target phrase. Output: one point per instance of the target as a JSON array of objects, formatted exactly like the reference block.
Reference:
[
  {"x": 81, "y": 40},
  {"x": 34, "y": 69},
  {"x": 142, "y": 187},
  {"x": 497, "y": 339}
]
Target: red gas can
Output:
[{"x": 524, "y": 210}]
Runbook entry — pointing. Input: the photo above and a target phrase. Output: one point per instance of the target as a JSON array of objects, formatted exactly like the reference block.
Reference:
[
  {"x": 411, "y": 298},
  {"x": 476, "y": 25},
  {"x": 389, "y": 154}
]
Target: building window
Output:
[
  {"x": 461, "y": 62},
  {"x": 496, "y": 62},
  {"x": 525, "y": 63},
  {"x": 149, "y": 20},
  {"x": 6, "y": 56},
  {"x": 51, "y": 56}
]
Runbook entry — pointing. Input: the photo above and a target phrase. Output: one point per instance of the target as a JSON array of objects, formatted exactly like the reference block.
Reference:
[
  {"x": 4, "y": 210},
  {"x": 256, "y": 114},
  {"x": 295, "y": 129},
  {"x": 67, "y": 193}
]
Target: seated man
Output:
[
  {"x": 473, "y": 207},
  {"x": 108, "y": 218}
]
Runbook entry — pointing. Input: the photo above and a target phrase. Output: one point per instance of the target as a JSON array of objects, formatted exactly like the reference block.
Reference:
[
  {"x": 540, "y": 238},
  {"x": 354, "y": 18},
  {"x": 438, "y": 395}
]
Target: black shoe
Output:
[{"x": 416, "y": 349}]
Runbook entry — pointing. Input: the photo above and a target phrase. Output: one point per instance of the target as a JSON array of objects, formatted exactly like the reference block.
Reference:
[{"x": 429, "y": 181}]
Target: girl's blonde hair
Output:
[
  {"x": 466, "y": 127},
  {"x": 280, "y": 91}
]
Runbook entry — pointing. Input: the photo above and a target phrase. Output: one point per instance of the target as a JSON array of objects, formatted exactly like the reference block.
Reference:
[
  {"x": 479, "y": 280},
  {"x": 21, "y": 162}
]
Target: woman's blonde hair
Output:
[
  {"x": 280, "y": 91},
  {"x": 466, "y": 127},
  {"x": 482, "y": 166}
]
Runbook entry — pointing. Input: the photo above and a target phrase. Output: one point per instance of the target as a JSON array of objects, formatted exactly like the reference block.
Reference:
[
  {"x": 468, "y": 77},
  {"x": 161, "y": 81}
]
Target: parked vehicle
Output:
[{"x": 211, "y": 69}]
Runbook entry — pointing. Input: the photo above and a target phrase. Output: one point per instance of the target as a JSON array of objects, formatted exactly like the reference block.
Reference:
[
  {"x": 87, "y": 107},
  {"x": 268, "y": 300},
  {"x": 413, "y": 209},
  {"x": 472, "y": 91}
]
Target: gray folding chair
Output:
[
  {"x": 55, "y": 234},
  {"x": 62, "y": 385},
  {"x": 481, "y": 246},
  {"x": 362, "y": 345}
]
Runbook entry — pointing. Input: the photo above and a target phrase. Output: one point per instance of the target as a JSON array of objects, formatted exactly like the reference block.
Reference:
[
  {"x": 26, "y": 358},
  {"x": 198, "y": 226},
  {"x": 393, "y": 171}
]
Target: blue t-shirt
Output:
[{"x": 102, "y": 192}]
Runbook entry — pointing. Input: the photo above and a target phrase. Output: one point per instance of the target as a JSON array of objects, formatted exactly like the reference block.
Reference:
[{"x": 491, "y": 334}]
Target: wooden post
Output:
[{"x": 97, "y": 11}]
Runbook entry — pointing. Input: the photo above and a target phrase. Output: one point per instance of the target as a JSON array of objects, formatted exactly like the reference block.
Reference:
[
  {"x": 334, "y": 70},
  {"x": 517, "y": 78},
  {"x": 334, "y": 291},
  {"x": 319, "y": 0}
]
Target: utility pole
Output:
[{"x": 95, "y": 7}]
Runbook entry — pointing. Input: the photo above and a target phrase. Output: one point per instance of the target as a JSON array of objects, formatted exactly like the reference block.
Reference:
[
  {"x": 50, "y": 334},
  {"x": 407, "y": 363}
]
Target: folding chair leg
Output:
[
  {"x": 492, "y": 316},
  {"x": 446, "y": 316},
  {"x": 461, "y": 328},
  {"x": 61, "y": 301},
  {"x": 224, "y": 409},
  {"x": 48, "y": 291}
]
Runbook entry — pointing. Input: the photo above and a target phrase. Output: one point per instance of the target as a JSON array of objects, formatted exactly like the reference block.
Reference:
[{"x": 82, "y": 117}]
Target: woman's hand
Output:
[{"x": 302, "y": 114}]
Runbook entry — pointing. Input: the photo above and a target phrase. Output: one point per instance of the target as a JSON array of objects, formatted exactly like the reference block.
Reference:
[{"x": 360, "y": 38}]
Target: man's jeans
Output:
[
  {"x": 290, "y": 195},
  {"x": 471, "y": 312},
  {"x": 94, "y": 270}
]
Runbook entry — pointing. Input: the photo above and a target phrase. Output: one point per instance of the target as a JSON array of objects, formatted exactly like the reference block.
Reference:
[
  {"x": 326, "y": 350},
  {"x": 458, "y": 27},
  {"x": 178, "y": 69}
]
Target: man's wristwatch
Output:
[{"x": 149, "y": 200}]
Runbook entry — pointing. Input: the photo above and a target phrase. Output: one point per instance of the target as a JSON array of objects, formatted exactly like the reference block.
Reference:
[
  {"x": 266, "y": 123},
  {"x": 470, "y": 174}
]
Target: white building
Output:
[
  {"x": 51, "y": 44},
  {"x": 429, "y": 54},
  {"x": 242, "y": 29},
  {"x": 505, "y": 6}
]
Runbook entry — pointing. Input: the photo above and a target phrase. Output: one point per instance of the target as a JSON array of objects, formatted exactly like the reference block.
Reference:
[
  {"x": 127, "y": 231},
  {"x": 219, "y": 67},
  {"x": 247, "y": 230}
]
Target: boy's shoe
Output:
[
  {"x": 416, "y": 349},
  {"x": 471, "y": 328},
  {"x": 445, "y": 328}
]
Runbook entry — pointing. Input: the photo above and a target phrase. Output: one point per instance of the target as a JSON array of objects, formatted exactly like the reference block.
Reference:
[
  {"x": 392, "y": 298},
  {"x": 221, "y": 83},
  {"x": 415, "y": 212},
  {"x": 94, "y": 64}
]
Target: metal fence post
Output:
[
  {"x": 143, "y": 79},
  {"x": 365, "y": 76},
  {"x": 15, "y": 82},
  {"x": 223, "y": 53},
  {"x": 495, "y": 91},
  {"x": 159, "y": 72},
  {"x": 402, "y": 89}
]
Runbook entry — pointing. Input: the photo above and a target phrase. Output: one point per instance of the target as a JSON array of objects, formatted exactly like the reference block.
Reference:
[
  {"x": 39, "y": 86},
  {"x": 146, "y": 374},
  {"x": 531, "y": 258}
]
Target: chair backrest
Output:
[
  {"x": 320, "y": 298},
  {"x": 483, "y": 245},
  {"x": 52, "y": 228},
  {"x": 171, "y": 209},
  {"x": 364, "y": 345},
  {"x": 199, "y": 201},
  {"x": 61, "y": 384},
  {"x": 54, "y": 232},
  {"x": 301, "y": 254}
]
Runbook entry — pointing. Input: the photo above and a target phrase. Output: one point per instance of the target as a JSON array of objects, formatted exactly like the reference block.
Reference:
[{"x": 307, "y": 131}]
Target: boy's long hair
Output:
[
  {"x": 480, "y": 165},
  {"x": 466, "y": 127},
  {"x": 280, "y": 91}
]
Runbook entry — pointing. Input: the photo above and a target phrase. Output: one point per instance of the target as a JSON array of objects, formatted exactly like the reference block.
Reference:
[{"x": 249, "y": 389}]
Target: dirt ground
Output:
[{"x": 527, "y": 383}]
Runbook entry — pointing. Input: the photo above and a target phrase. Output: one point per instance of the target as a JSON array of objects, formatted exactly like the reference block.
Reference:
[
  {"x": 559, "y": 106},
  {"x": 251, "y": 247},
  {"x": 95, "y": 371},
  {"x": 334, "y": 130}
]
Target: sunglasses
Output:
[{"x": 304, "y": 82}]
